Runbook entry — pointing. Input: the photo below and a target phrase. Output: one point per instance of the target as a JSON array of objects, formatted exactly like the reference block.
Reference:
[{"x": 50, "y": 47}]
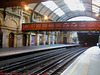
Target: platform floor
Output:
[
  {"x": 20, "y": 50},
  {"x": 87, "y": 63}
]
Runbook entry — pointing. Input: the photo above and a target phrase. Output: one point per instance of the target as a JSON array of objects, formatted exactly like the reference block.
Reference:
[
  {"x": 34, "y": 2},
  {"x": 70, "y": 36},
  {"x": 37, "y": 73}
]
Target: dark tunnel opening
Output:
[{"x": 88, "y": 39}]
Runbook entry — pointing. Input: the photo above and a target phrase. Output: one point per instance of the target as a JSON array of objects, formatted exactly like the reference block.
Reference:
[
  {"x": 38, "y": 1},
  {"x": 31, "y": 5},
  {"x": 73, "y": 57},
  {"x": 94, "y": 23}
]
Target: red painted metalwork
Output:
[
  {"x": 72, "y": 25},
  {"x": 58, "y": 25},
  {"x": 44, "y": 26}
]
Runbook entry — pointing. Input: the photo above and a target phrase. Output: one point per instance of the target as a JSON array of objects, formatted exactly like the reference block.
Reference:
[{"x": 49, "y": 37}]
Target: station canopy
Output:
[{"x": 63, "y": 10}]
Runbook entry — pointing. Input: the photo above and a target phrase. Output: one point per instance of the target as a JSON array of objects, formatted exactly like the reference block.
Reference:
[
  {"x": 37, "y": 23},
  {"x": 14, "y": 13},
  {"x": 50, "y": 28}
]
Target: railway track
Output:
[{"x": 45, "y": 62}]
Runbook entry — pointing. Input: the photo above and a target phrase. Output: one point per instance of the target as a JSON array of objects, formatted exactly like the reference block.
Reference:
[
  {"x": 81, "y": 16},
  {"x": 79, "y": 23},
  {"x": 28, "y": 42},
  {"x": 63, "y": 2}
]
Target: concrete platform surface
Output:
[
  {"x": 19, "y": 50},
  {"x": 87, "y": 63}
]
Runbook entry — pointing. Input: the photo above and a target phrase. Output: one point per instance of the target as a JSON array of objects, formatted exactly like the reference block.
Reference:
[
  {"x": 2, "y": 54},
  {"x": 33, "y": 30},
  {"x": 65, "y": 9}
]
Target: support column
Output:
[
  {"x": 61, "y": 37},
  {"x": 30, "y": 40},
  {"x": 53, "y": 38},
  {"x": 37, "y": 39},
  {"x": 15, "y": 40},
  {"x": 48, "y": 39},
  {"x": 56, "y": 37},
  {"x": 21, "y": 19},
  {"x": 5, "y": 39},
  {"x": 71, "y": 37},
  {"x": 19, "y": 40},
  {"x": 77, "y": 40},
  {"x": 43, "y": 38},
  {"x": 27, "y": 40},
  {"x": 68, "y": 37}
]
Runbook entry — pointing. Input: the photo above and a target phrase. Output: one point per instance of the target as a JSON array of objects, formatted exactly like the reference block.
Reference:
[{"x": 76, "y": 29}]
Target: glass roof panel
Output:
[
  {"x": 75, "y": 5},
  {"x": 95, "y": 9},
  {"x": 50, "y": 4},
  {"x": 96, "y": 2},
  {"x": 59, "y": 12}
]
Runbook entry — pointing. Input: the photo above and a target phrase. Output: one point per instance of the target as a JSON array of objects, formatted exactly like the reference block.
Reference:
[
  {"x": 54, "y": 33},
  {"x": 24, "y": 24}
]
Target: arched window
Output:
[
  {"x": 25, "y": 19},
  {"x": 82, "y": 18}
]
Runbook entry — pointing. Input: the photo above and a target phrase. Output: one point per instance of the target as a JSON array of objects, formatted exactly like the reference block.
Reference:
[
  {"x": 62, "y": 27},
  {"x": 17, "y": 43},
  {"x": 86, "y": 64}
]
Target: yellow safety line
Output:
[
  {"x": 86, "y": 66},
  {"x": 74, "y": 67}
]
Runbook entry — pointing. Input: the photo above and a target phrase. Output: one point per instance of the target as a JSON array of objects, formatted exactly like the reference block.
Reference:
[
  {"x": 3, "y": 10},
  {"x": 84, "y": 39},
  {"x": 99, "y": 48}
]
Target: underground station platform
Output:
[
  {"x": 20, "y": 50},
  {"x": 38, "y": 22},
  {"x": 88, "y": 63},
  {"x": 86, "y": 60}
]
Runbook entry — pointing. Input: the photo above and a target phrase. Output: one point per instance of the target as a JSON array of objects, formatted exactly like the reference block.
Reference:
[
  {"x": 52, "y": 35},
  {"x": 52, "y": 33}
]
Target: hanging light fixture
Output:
[{"x": 26, "y": 7}]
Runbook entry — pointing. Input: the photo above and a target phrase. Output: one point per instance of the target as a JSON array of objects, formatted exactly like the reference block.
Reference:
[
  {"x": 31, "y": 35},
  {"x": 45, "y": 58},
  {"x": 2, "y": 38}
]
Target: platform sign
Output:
[{"x": 18, "y": 37}]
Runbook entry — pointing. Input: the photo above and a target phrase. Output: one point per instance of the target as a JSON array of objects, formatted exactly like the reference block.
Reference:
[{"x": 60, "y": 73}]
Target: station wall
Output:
[
  {"x": 11, "y": 34},
  {"x": 10, "y": 24}
]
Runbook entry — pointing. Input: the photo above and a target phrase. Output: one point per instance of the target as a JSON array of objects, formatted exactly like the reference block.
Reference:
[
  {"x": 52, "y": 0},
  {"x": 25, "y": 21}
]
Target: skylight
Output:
[
  {"x": 50, "y": 4},
  {"x": 53, "y": 7},
  {"x": 59, "y": 12},
  {"x": 96, "y": 2},
  {"x": 95, "y": 9},
  {"x": 75, "y": 5}
]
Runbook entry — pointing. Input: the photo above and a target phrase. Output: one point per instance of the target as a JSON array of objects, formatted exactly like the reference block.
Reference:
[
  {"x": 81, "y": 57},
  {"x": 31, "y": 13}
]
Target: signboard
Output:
[{"x": 18, "y": 37}]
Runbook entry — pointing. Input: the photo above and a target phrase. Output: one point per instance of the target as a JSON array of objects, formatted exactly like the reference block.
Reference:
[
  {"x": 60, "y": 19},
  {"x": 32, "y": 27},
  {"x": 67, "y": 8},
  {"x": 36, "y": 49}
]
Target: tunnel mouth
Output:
[{"x": 87, "y": 39}]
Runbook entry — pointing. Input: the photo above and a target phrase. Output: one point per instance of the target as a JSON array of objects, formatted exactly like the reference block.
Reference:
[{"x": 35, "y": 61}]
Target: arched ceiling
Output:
[
  {"x": 12, "y": 3},
  {"x": 90, "y": 9}
]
